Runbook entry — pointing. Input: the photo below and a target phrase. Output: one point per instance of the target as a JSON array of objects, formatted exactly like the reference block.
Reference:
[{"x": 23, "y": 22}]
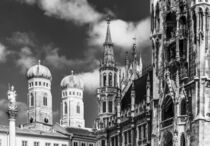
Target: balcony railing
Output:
[
  {"x": 106, "y": 89},
  {"x": 167, "y": 122}
]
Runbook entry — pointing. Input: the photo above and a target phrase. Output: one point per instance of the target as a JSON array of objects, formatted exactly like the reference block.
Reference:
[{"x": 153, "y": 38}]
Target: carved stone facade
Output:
[{"x": 180, "y": 104}]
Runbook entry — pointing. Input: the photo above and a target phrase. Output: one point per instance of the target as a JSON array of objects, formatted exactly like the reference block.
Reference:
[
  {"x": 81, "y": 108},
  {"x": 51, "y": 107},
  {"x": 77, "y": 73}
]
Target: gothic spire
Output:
[
  {"x": 108, "y": 48},
  {"x": 108, "y": 40}
]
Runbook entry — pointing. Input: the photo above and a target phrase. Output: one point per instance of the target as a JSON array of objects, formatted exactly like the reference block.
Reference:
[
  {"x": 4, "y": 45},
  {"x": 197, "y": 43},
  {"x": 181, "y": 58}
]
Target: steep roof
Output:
[
  {"x": 140, "y": 91},
  {"x": 32, "y": 132}
]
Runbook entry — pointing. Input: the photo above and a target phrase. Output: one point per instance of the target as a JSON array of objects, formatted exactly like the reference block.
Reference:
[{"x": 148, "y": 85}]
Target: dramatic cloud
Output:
[
  {"x": 3, "y": 53},
  {"x": 22, "y": 39},
  {"x": 122, "y": 33},
  {"x": 79, "y": 11},
  {"x": 26, "y": 59},
  {"x": 58, "y": 61},
  {"x": 90, "y": 79}
]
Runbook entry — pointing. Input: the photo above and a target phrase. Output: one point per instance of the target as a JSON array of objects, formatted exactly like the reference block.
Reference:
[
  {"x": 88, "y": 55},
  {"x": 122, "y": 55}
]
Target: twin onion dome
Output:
[
  {"x": 39, "y": 71},
  {"x": 72, "y": 81}
]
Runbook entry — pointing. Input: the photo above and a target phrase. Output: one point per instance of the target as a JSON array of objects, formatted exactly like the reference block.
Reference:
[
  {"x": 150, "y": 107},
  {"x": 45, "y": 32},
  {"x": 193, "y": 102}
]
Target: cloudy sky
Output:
[{"x": 66, "y": 35}]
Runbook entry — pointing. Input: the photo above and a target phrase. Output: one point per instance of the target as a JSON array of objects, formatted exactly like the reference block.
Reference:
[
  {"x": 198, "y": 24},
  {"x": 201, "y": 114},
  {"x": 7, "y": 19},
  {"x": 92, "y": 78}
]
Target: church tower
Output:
[
  {"x": 39, "y": 97},
  {"x": 181, "y": 103},
  {"x": 72, "y": 105},
  {"x": 107, "y": 91}
]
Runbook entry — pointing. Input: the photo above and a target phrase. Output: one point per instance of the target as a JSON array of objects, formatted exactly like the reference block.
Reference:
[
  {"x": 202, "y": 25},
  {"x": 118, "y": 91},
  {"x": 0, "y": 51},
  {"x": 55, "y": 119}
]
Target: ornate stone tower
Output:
[
  {"x": 39, "y": 97},
  {"x": 72, "y": 105},
  {"x": 180, "y": 34},
  {"x": 108, "y": 82}
]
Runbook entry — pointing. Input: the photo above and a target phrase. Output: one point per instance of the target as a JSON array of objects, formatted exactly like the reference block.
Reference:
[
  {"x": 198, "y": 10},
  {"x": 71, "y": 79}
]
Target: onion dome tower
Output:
[
  {"x": 72, "y": 105},
  {"x": 39, "y": 97}
]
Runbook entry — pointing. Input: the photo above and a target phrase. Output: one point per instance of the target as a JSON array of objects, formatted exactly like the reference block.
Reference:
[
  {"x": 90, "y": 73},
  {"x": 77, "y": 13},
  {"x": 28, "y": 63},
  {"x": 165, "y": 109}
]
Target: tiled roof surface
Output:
[
  {"x": 140, "y": 90},
  {"x": 25, "y": 131},
  {"x": 80, "y": 131}
]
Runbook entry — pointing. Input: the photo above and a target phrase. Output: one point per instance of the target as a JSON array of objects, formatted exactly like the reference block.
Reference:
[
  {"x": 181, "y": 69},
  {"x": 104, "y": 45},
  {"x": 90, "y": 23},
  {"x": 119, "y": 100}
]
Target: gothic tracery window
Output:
[
  {"x": 167, "y": 111},
  {"x": 183, "y": 107}
]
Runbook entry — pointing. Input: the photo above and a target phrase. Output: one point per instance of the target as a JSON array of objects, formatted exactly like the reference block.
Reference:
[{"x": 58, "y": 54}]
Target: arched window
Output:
[
  {"x": 167, "y": 111},
  {"x": 195, "y": 26},
  {"x": 45, "y": 99},
  {"x": 32, "y": 99},
  {"x": 170, "y": 25},
  {"x": 207, "y": 19},
  {"x": 200, "y": 19},
  {"x": 167, "y": 139},
  {"x": 65, "y": 107},
  {"x": 183, "y": 107},
  {"x": 104, "y": 79},
  {"x": 110, "y": 79},
  {"x": 78, "y": 108},
  {"x": 182, "y": 140},
  {"x": 110, "y": 106}
]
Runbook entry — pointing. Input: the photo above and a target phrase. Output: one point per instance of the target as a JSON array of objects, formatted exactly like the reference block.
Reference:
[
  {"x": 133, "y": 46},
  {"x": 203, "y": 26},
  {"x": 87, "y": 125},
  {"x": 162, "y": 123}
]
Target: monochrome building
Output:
[
  {"x": 180, "y": 53},
  {"x": 39, "y": 129},
  {"x": 165, "y": 104}
]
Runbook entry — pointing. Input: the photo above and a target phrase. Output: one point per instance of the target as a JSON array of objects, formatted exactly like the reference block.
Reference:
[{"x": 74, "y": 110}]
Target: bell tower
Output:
[
  {"x": 107, "y": 91},
  {"x": 72, "y": 105},
  {"x": 39, "y": 97}
]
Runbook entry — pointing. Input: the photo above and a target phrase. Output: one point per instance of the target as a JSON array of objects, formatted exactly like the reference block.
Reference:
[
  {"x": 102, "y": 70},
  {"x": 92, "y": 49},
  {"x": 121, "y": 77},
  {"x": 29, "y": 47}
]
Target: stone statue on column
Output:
[{"x": 12, "y": 113}]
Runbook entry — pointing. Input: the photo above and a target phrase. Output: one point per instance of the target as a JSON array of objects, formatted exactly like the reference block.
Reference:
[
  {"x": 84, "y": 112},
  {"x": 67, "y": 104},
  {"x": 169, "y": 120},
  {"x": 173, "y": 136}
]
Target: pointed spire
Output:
[
  {"x": 108, "y": 40},
  {"x": 134, "y": 49}
]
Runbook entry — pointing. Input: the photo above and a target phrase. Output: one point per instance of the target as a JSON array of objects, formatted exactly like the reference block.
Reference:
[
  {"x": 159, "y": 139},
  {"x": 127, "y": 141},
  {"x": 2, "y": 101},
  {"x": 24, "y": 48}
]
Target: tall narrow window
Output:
[
  {"x": 200, "y": 19},
  {"x": 103, "y": 143},
  {"x": 78, "y": 108},
  {"x": 65, "y": 108},
  {"x": 139, "y": 128},
  {"x": 45, "y": 100},
  {"x": 115, "y": 79},
  {"x": 207, "y": 19},
  {"x": 104, "y": 79},
  {"x": 24, "y": 143},
  {"x": 129, "y": 137},
  {"x": 183, "y": 110},
  {"x": 110, "y": 106},
  {"x": 110, "y": 79},
  {"x": 32, "y": 99},
  {"x": 104, "y": 107},
  {"x": 125, "y": 137}
]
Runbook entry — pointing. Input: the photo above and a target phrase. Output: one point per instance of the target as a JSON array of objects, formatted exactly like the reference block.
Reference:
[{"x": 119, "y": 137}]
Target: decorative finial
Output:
[
  {"x": 134, "y": 41},
  {"x": 12, "y": 88},
  {"x": 39, "y": 61},
  {"x": 108, "y": 19},
  {"x": 72, "y": 72}
]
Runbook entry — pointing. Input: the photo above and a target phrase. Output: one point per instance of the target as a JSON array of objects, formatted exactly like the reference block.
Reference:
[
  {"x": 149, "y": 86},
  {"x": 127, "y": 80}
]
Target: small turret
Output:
[{"x": 133, "y": 96}]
